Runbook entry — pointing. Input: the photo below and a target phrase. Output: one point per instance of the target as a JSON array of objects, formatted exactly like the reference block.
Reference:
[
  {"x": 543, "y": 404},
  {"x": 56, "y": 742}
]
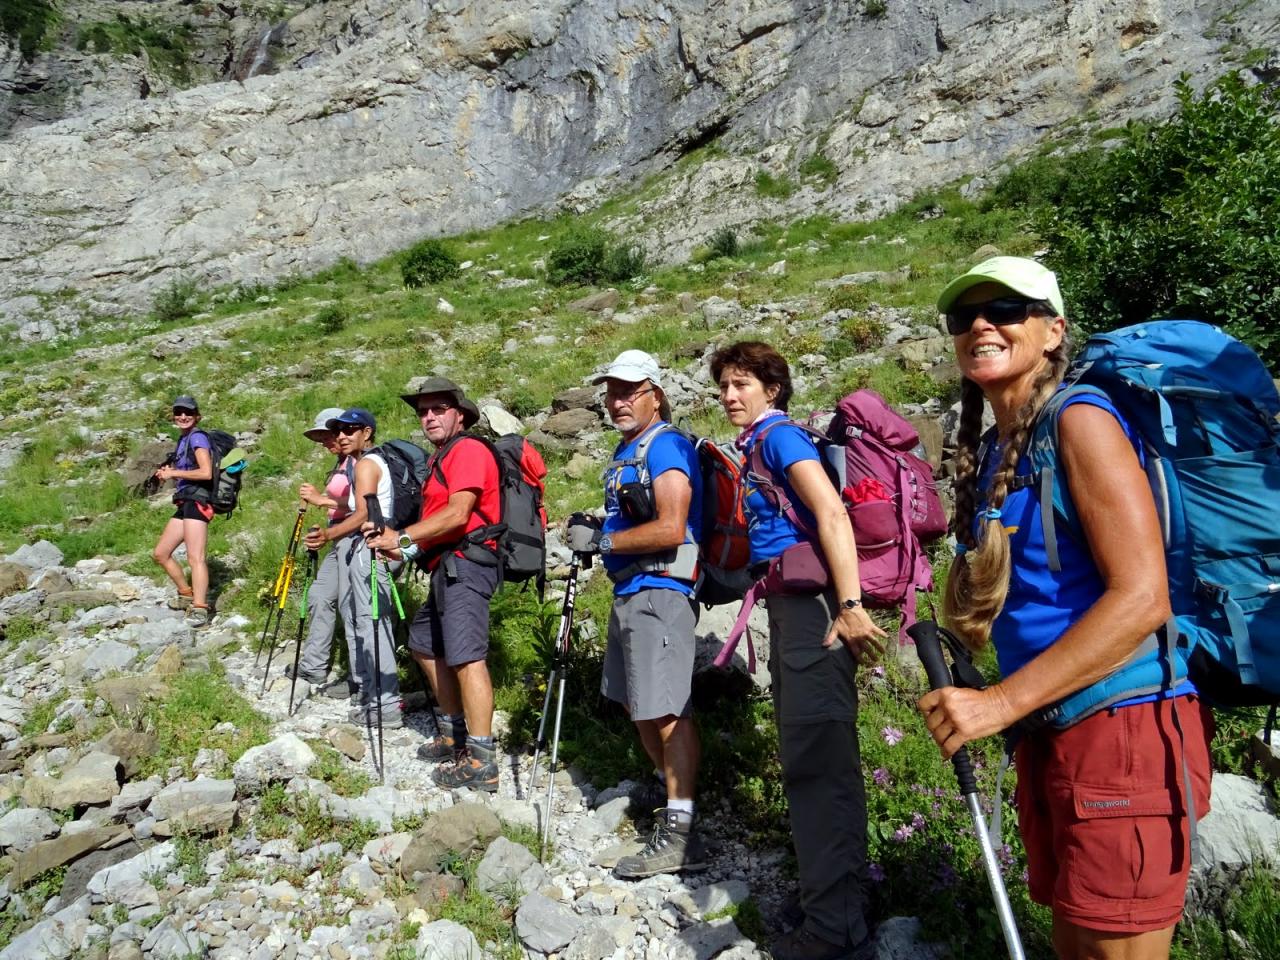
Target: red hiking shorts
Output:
[{"x": 1102, "y": 811}]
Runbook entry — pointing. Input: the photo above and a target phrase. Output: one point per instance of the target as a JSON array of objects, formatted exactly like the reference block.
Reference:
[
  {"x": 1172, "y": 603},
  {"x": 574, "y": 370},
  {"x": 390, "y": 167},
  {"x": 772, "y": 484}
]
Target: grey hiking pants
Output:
[
  {"x": 816, "y": 706},
  {"x": 322, "y": 611},
  {"x": 355, "y": 603}
]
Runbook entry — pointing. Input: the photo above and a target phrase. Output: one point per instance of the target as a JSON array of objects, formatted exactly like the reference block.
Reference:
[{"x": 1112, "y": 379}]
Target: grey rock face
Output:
[
  {"x": 446, "y": 940},
  {"x": 509, "y": 867},
  {"x": 899, "y": 938},
  {"x": 38, "y": 556},
  {"x": 113, "y": 884},
  {"x": 545, "y": 925},
  {"x": 702, "y": 941},
  {"x": 459, "y": 829},
  {"x": 284, "y": 758},
  {"x": 22, "y": 828},
  {"x": 169, "y": 186},
  {"x": 179, "y": 797},
  {"x": 1241, "y": 827}
]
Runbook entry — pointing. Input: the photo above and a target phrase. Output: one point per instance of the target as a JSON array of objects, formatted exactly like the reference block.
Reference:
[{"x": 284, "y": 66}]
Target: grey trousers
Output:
[
  {"x": 816, "y": 706},
  {"x": 355, "y": 604},
  {"x": 322, "y": 611}
]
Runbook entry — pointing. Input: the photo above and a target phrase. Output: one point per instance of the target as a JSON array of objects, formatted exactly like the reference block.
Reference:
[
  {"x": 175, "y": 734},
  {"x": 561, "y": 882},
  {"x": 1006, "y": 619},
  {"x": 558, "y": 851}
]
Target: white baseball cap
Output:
[
  {"x": 322, "y": 422},
  {"x": 632, "y": 366}
]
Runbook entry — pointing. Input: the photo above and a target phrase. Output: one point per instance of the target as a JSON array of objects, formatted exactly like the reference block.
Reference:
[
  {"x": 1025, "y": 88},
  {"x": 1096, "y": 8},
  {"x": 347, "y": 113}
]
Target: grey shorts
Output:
[
  {"x": 453, "y": 625},
  {"x": 648, "y": 660}
]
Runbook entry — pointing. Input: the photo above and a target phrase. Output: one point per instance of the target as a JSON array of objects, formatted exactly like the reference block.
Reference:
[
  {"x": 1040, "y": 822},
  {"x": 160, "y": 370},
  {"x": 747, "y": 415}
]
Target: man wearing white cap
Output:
[
  {"x": 653, "y": 500},
  {"x": 322, "y": 597}
]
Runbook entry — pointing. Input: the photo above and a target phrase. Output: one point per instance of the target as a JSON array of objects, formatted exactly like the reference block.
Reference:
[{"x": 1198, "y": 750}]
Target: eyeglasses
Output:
[
  {"x": 438, "y": 409},
  {"x": 1002, "y": 312},
  {"x": 627, "y": 396},
  {"x": 347, "y": 429},
  {"x": 179, "y": 412}
]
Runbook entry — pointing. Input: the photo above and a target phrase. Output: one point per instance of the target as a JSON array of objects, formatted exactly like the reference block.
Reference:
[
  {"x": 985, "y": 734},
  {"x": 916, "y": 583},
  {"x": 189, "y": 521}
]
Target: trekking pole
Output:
[
  {"x": 374, "y": 510},
  {"x": 929, "y": 647},
  {"x": 282, "y": 575},
  {"x": 285, "y": 583},
  {"x": 302, "y": 620},
  {"x": 559, "y": 667}
]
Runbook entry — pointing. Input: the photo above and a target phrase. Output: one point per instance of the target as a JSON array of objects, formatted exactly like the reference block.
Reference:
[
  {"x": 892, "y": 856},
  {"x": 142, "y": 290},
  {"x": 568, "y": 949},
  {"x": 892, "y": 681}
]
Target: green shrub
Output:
[
  {"x": 28, "y": 23},
  {"x": 853, "y": 296},
  {"x": 863, "y": 332},
  {"x": 177, "y": 301},
  {"x": 767, "y": 185},
  {"x": 623, "y": 262},
  {"x": 875, "y": 9},
  {"x": 724, "y": 243},
  {"x": 1182, "y": 219},
  {"x": 578, "y": 257},
  {"x": 819, "y": 165},
  {"x": 167, "y": 47},
  {"x": 332, "y": 318},
  {"x": 426, "y": 262}
]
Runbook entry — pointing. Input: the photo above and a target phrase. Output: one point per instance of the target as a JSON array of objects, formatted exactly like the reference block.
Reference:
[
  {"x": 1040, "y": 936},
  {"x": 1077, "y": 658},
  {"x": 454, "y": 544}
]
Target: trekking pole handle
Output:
[
  {"x": 929, "y": 649},
  {"x": 374, "y": 510}
]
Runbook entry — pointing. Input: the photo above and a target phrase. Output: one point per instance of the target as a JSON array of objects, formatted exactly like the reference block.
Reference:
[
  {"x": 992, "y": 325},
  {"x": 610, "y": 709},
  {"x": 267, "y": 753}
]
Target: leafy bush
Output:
[
  {"x": 851, "y": 296},
  {"x": 167, "y": 47},
  {"x": 724, "y": 243},
  {"x": 865, "y": 333},
  {"x": 1181, "y": 219},
  {"x": 28, "y": 23},
  {"x": 589, "y": 255},
  {"x": 426, "y": 262},
  {"x": 177, "y": 301},
  {"x": 875, "y": 9},
  {"x": 333, "y": 318}
]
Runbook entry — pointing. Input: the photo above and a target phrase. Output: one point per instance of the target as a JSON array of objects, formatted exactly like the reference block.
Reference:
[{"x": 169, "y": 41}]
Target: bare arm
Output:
[
  {"x": 203, "y": 469},
  {"x": 835, "y": 535},
  {"x": 672, "y": 493},
  {"x": 367, "y": 476},
  {"x": 1118, "y": 514}
]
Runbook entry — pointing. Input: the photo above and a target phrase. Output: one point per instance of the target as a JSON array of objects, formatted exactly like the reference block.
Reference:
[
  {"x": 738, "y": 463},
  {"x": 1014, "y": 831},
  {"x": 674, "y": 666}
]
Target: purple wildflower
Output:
[
  {"x": 917, "y": 821},
  {"x": 892, "y": 735},
  {"x": 903, "y": 833},
  {"x": 877, "y": 671},
  {"x": 881, "y": 777},
  {"x": 876, "y": 872}
]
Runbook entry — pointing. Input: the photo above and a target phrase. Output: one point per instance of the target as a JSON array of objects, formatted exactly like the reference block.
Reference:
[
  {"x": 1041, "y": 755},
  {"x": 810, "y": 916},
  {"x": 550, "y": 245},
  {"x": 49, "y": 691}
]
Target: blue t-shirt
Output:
[
  {"x": 669, "y": 450},
  {"x": 186, "y": 460},
  {"x": 1042, "y": 604},
  {"x": 770, "y": 531}
]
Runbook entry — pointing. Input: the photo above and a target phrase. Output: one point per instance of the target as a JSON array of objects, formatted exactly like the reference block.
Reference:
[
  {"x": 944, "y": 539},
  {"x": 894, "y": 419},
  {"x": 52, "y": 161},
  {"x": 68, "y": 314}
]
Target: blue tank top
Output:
[{"x": 1042, "y": 605}]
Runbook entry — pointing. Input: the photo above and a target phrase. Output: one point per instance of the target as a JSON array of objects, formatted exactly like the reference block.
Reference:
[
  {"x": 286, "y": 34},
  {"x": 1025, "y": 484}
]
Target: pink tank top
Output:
[{"x": 339, "y": 489}]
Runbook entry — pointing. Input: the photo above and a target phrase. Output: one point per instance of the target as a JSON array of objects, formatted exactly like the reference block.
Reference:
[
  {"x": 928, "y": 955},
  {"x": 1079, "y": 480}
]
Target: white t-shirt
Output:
[{"x": 386, "y": 498}]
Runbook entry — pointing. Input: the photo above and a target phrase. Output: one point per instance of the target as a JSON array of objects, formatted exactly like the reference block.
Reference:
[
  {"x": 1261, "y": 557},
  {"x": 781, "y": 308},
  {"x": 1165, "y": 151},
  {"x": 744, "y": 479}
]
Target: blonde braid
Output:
[{"x": 979, "y": 579}]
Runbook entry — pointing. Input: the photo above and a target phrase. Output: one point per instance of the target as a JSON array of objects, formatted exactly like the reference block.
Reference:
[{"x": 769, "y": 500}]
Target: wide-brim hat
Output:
[
  {"x": 322, "y": 422},
  {"x": 420, "y": 386},
  {"x": 1020, "y": 274}
]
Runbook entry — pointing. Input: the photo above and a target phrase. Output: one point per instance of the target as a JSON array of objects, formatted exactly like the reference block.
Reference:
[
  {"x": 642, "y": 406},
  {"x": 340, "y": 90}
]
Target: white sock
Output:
[{"x": 682, "y": 806}]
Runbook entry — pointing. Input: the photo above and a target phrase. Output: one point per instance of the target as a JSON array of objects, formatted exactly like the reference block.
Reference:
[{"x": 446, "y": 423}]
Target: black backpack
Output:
[
  {"x": 521, "y": 530},
  {"x": 407, "y": 463},
  {"x": 223, "y": 491}
]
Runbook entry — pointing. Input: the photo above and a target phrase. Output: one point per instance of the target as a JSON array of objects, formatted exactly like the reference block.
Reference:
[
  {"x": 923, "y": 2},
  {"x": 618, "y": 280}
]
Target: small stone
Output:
[
  {"x": 347, "y": 741},
  {"x": 169, "y": 663},
  {"x": 21, "y": 829},
  {"x": 283, "y": 758},
  {"x": 544, "y": 925},
  {"x": 596, "y": 302},
  {"x": 446, "y": 940},
  {"x": 507, "y": 865}
]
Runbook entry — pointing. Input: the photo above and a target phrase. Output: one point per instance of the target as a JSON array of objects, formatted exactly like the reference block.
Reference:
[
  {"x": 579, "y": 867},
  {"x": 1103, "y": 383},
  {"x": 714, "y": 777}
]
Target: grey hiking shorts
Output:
[
  {"x": 648, "y": 660},
  {"x": 453, "y": 625}
]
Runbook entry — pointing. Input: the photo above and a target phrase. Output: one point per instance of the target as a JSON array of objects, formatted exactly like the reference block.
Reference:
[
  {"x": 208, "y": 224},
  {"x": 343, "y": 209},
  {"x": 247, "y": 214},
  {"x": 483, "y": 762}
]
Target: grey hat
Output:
[
  {"x": 186, "y": 403},
  {"x": 420, "y": 386},
  {"x": 322, "y": 422}
]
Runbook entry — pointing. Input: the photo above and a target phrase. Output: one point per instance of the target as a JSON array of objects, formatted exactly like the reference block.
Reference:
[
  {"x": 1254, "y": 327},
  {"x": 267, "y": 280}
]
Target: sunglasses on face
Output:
[
  {"x": 1002, "y": 312},
  {"x": 438, "y": 409},
  {"x": 349, "y": 428},
  {"x": 179, "y": 412}
]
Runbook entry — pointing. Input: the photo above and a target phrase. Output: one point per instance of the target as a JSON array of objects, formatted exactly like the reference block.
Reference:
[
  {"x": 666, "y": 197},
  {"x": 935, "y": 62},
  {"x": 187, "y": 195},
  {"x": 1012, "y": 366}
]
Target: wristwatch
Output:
[
  {"x": 851, "y": 603},
  {"x": 405, "y": 541},
  {"x": 606, "y": 544}
]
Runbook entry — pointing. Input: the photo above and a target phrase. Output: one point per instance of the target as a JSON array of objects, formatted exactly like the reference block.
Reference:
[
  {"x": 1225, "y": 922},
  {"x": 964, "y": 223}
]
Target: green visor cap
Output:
[{"x": 1020, "y": 274}]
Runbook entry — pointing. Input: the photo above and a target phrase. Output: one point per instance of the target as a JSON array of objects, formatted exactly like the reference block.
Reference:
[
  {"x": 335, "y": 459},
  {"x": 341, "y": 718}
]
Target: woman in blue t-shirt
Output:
[
  {"x": 1101, "y": 804},
  {"x": 816, "y": 642},
  {"x": 192, "y": 470}
]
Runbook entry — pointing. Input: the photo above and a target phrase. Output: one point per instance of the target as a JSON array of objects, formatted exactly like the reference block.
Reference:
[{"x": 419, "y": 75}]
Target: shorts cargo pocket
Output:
[{"x": 1122, "y": 847}]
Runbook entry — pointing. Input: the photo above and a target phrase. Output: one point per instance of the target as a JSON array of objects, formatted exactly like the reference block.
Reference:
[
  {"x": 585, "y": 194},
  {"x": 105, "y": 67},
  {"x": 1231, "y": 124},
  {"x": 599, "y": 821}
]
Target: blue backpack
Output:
[{"x": 1205, "y": 408}]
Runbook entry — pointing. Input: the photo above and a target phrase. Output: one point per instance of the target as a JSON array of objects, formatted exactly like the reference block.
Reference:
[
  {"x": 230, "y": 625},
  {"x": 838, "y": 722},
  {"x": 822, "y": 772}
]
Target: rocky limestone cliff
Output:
[{"x": 457, "y": 114}]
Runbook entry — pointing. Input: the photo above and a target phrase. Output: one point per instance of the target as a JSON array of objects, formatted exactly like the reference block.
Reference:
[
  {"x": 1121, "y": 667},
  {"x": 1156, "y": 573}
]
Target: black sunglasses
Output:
[
  {"x": 350, "y": 428},
  {"x": 184, "y": 412},
  {"x": 1003, "y": 312}
]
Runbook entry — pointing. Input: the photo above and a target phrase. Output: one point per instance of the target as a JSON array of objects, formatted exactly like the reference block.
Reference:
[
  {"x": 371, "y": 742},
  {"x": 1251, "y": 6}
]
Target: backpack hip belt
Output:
[{"x": 680, "y": 564}]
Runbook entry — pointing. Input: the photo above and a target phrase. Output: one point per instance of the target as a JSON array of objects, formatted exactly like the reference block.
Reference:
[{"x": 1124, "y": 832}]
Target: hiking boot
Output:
[
  {"x": 337, "y": 690},
  {"x": 439, "y": 749},
  {"x": 674, "y": 847},
  {"x": 801, "y": 944},
  {"x": 314, "y": 681},
  {"x": 366, "y": 715},
  {"x": 197, "y": 617},
  {"x": 181, "y": 602},
  {"x": 476, "y": 769}
]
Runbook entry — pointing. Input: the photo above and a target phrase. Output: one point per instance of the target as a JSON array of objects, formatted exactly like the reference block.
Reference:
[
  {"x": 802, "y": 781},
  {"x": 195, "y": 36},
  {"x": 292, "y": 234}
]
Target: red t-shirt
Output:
[{"x": 467, "y": 466}]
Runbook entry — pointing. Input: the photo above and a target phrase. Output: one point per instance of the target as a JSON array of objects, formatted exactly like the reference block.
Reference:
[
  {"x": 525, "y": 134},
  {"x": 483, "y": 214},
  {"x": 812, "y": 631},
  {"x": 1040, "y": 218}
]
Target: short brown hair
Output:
[{"x": 759, "y": 360}]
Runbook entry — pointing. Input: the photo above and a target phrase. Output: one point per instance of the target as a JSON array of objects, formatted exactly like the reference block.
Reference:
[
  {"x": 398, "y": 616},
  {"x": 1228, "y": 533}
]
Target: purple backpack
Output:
[{"x": 889, "y": 491}]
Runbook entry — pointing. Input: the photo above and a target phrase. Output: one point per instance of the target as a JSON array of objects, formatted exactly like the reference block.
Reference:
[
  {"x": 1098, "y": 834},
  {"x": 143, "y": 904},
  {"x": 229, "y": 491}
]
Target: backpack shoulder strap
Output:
[{"x": 763, "y": 478}]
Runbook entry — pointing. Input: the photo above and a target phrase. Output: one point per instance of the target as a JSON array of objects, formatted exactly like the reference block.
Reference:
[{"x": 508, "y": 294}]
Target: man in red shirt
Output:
[{"x": 449, "y": 636}]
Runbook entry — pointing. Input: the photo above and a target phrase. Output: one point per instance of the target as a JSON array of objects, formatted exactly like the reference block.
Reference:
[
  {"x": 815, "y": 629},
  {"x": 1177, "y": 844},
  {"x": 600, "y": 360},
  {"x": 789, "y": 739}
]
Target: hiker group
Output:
[{"x": 1117, "y": 613}]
